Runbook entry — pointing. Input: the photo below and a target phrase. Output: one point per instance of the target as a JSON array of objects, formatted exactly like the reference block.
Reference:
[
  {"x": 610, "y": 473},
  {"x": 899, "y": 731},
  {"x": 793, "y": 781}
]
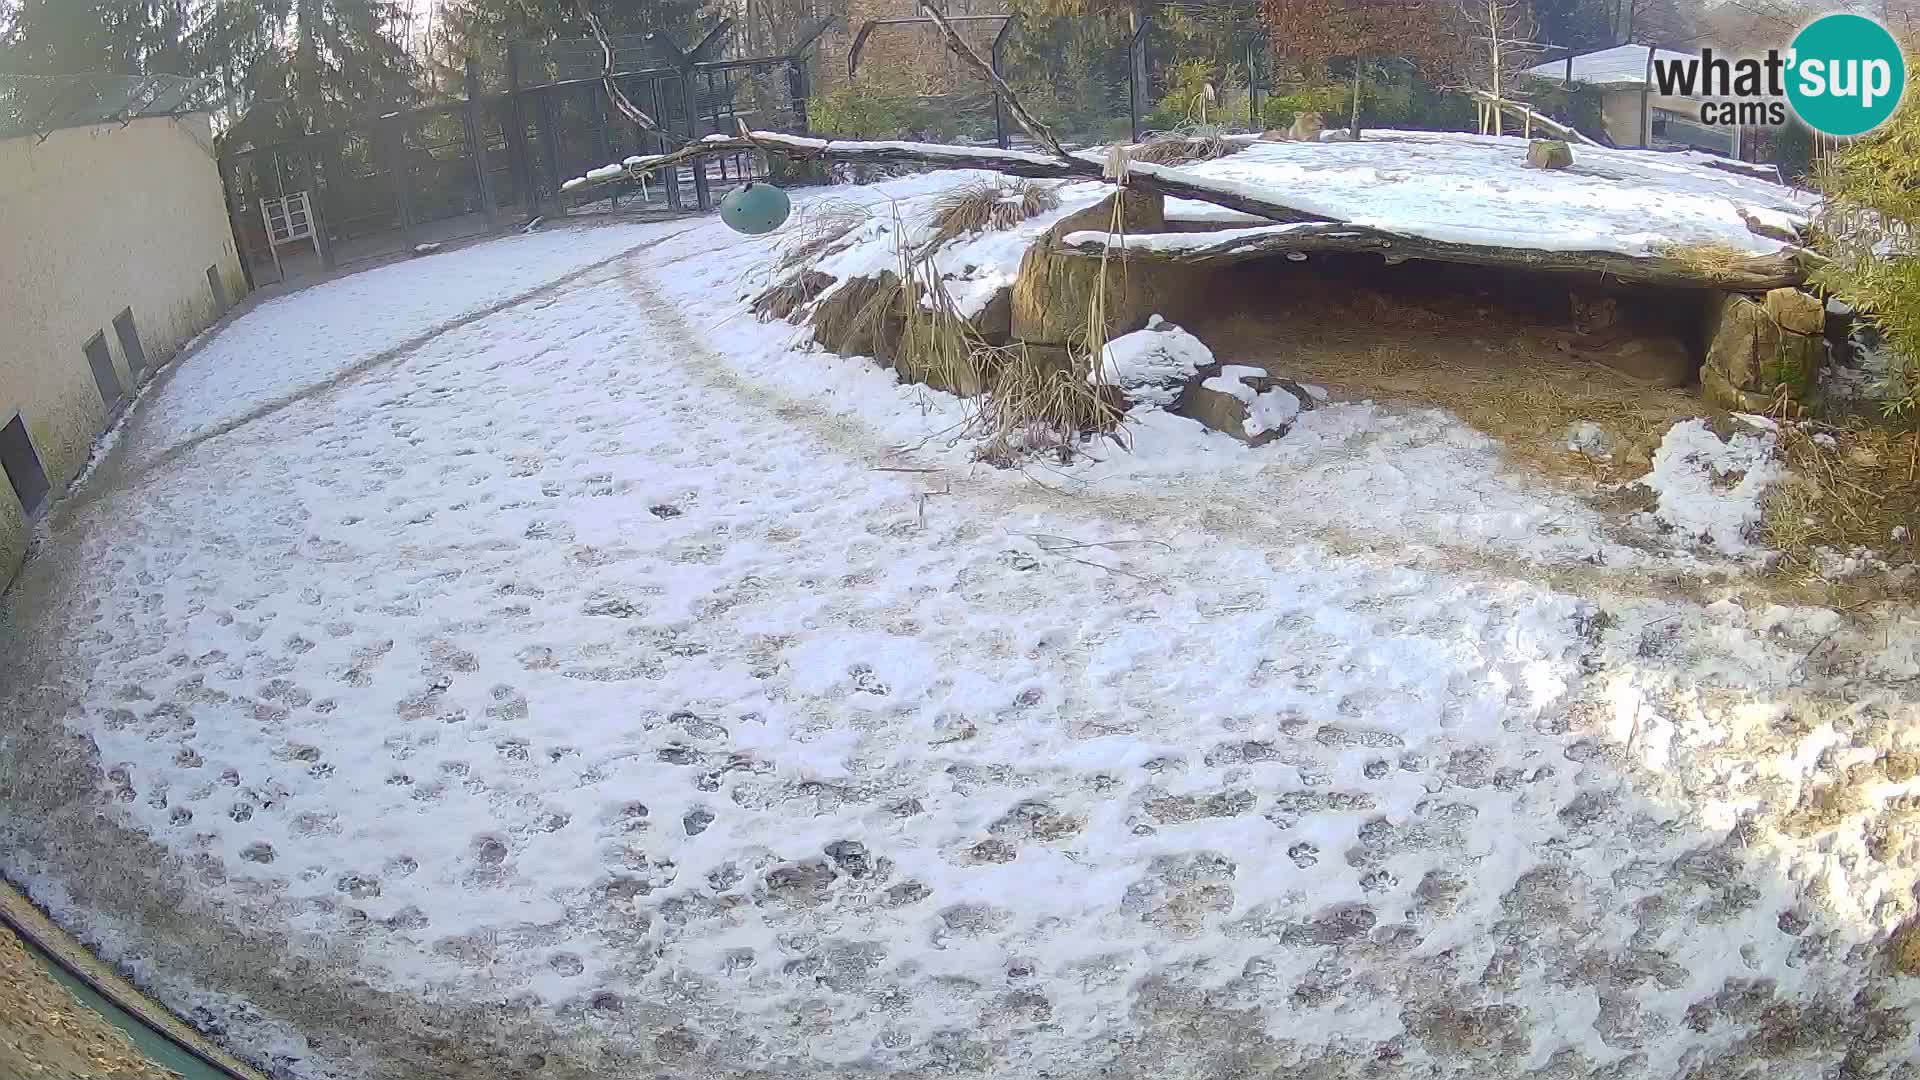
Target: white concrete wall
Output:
[
  {"x": 1620, "y": 113},
  {"x": 94, "y": 220}
]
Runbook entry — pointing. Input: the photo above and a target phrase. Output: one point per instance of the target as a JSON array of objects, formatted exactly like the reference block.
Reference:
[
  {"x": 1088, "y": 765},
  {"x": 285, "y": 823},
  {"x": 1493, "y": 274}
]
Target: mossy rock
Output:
[{"x": 1753, "y": 353}]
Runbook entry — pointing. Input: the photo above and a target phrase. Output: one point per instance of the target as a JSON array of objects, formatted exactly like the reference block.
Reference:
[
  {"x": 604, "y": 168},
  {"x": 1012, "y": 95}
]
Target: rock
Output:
[
  {"x": 1589, "y": 438},
  {"x": 1799, "y": 312},
  {"x": 1245, "y": 402},
  {"x": 1053, "y": 292},
  {"x": 861, "y": 317},
  {"x": 1718, "y": 391},
  {"x": 1153, "y": 366},
  {"x": 781, "y": 301},
  {"x": 995, "y": 321},
  {"x": 1549, "y": 154},
  {"x": 1754, "y": 354}
]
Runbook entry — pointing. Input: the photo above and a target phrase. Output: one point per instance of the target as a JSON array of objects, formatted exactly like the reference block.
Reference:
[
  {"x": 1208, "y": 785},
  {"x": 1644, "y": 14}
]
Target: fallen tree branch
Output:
[
  {"x": 1759, "y": 273},
  {"x": 1163, "y": 179},
  {"x": 1536, "y": 118}
]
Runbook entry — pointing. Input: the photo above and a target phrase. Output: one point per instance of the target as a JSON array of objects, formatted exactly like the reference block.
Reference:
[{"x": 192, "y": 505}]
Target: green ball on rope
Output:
[{"x": 755, "y": 209}]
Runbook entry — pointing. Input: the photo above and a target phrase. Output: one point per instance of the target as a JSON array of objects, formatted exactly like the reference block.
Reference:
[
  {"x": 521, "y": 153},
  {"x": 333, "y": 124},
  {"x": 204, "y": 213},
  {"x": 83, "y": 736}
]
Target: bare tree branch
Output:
[
  {"x": 1040, "y": 132},
  {"x": 614, "y": 93}
]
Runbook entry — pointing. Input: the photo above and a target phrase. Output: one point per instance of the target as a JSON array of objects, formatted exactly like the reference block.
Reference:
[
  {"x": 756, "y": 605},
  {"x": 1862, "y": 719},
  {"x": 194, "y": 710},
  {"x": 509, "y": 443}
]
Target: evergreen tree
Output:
[
  {"x": 308, "y": 65},
  {"x": 1581, "y": 25},
  {"x": 484, "y": 29},
  {"x": 67, "y": 37}
]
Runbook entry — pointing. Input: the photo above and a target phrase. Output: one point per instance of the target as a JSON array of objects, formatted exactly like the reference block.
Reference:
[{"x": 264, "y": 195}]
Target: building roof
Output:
[{"x": 1621, "y": 66}]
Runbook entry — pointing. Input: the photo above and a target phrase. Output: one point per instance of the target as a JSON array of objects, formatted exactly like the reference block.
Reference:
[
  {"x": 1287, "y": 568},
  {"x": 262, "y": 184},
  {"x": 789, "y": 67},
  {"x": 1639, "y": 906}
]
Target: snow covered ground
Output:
[{"x": 608, "y": 685}]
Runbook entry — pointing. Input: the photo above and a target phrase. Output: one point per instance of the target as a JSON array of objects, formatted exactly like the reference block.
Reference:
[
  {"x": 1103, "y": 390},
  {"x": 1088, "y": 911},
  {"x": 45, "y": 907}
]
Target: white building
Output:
[{"x": 1633, "y": 112}]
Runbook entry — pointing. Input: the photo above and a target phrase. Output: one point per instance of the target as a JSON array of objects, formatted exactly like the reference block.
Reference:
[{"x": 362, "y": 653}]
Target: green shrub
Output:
[
  {"x": 1331, "y": 101},
  {"x": 872, "y": 108},
  {"x": 1867, "y": 228}
]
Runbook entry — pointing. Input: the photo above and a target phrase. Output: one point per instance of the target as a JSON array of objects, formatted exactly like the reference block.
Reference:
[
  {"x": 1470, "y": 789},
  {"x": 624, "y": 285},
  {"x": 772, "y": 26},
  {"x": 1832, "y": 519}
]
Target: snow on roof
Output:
[
  {"x": 1459, "y": 187},
  {"x": 1624, "y": 65}
]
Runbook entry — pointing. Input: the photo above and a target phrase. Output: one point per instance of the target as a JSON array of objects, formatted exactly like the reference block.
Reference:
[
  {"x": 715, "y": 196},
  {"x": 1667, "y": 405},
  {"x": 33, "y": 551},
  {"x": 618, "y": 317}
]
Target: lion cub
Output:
[
  {"x": 1307, "y": 127},
  {"x": 1628, "y": 344}
]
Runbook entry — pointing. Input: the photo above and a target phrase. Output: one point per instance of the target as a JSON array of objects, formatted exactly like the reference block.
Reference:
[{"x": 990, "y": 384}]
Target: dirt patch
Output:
[{"x": 45, "y": 1032}]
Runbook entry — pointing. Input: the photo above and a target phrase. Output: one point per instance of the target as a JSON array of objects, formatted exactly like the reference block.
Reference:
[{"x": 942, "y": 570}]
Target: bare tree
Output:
[{"x": 1502, "y": 35}]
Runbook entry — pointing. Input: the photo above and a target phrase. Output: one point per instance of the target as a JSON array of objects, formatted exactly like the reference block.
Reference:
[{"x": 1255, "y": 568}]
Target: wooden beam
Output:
[{"x": 1755, "y": 274}]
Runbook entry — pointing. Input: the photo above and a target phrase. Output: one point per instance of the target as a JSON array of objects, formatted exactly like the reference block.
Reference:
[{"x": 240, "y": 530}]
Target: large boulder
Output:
[
  {"x": 1152, "y": 366},
  {"x": 1549, "y": 154},
  {"x": 1055, "y": 291},
  {"x": 1246, "y": 403},
  {"x": 1752, "y": 354},
  {"x": 1797, "y": 312}
]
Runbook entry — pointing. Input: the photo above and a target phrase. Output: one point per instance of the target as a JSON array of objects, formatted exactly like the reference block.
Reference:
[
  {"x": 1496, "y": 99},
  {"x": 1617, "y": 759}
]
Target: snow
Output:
[
  {"x": 1475, "y": 189},
  {"x": 1444, "y": 186},
  {"x": 1152, "y": 365},
  {"x": 601, "y": 689},
  {"x": 1710, "y": 488},
  {"x": 974, "y": 268},
  {"x": 1273, "y": 409},
  {"x": 293, "y": 344}
]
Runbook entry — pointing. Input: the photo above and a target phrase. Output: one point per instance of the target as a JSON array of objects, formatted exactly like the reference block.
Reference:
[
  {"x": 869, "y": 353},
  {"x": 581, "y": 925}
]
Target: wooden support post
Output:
[{"x": 230, "y": 183}]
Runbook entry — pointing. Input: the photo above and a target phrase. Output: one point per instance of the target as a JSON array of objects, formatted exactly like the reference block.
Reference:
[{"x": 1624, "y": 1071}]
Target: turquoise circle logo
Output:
[{"x": 1848, "y": 75}]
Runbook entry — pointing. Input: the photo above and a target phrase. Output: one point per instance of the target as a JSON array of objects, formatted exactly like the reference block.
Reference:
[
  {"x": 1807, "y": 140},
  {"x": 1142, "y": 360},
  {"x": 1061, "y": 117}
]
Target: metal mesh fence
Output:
[{"x": 35, "y": 104}]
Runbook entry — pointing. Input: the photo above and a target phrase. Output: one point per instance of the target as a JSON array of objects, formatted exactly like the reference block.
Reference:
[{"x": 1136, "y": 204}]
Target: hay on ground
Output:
[
  {"x": 1852, "y": 487},
  {"x": 1182, "y": 147}
]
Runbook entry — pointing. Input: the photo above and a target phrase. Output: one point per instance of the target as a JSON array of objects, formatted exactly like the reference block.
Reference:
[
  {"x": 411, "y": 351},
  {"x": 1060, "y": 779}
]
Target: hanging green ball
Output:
[{"x": 755, "y": 209}]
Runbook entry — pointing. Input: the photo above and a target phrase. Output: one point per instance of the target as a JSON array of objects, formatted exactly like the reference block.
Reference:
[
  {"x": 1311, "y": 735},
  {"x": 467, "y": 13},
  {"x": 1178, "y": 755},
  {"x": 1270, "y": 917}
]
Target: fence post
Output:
[
  {"x": 316, "y": 207},
  {"x": 1137, "y": 71},
  {"x": 798, "y": 93},
  {"x": 550, "y": 145},
  {"x": 691, "y": 101},
  {"x": 521, "y": 158},
  {"x": 1000, "y": 103},
  {"x": 671, "y": 176},
  {"x": 391, "y": 139},
  {"x": 477, "y": 140}
]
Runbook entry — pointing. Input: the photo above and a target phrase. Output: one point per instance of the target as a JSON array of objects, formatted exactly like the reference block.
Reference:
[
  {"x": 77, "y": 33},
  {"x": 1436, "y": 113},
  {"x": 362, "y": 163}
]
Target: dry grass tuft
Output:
[
  {"x": 1903, "y": 949},
  {"x": 820, "y": 229},
  {"x": 783, "y": 300},
  {"x": 988, "y": 206},
  {"x": 1708, "y": 258},
  {"x": 1182, "y": 147},
  {"x": 1038, "y": 405},
  {"x": 1851, "y": 487}
]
